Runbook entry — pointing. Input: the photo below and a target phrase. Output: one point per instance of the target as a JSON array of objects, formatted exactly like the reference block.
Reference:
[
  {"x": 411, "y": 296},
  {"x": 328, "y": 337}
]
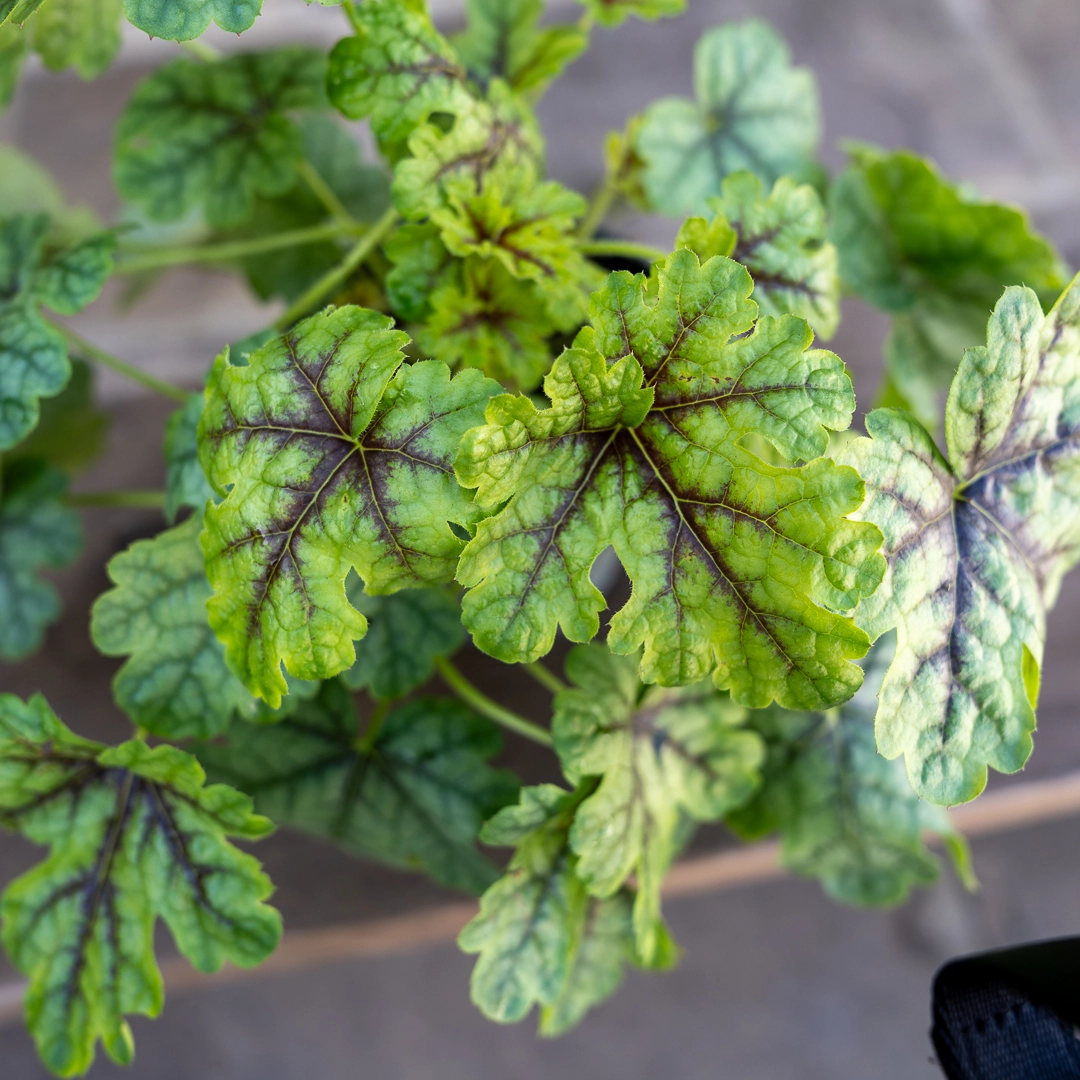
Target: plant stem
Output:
[
  {"x": 374, "y": 726},
  {"x": 626, "y": 248},
  {"x": 333, "y": 278},
  {"x": 353, "y": 16},
  {"x": 156, "y": 259},
  {"x": 599, "y": 207},
  {"x": 150, "y": 500},
  {"x": 122, "y": 367},
  {"x": 491, "y": 709},
  {"x": 201, "y": 51},
  {"x": 545, "y": 676},
  {"x": 325, "y": 194}
]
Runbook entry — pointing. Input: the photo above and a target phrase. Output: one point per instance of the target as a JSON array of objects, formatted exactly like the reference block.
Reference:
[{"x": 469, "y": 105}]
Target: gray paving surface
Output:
[{"x": 777, "y": 982}]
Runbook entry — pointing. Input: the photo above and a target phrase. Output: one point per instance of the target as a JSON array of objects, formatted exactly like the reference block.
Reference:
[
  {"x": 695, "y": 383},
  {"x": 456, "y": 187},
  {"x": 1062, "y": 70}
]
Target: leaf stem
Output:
[
  {"x": 99, "y": 356},
  {"x": 627, "y": 248},
  {"x": 201, "y": 51},
  {"x": 545, "y": 676},
  {"x": 491, "y": 709},
  {"x": 599, "y": 207},
  {"x": 158, "y": 258},
  {"x": 374, "y": 726},
  {"x": 353, "y": 16},
  {"x": 325, "y": 194},
  {"x": 150, "y": 500},
  {"x": 333, "y": 278}
]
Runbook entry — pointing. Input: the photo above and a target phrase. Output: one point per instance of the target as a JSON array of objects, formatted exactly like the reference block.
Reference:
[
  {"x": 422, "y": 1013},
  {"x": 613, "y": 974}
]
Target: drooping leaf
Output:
[
  {"x": 83, "y": 34},
  {"x": 398, "y": 71},
  {"x": 661, "y": 755},
  {"x": 976, "y": 547},
  {"x": 216, "y": 135},
  {"x": 134, "y": 835},
  {"x": 175, "y": 683},
  {"x": 613, "y": 12},
  {"x": 503, "y": 40},
  {"x": 406, "y": 633},
  {"x": 542, "y": 940},
  {"x": 780, "y": 240},
  {"x": 33, "y": 355},
  {"x": 845, "y": 815},
  {"x": 420, "y": 264},
  {"x": 329, "y": 461},
  {"x": 740, "y": 568},
  {"x": 412, "y": 793},
  {"x": 71, "y": 429},
  {"x": 36, "y": 532},
  {"x": 485, "y": 318},
  {"x": 182, "y": 20},
  {"x": 934, "y": 256},
  {"x": 185, "y": 482},
  {"x": 753, "y": 111}
]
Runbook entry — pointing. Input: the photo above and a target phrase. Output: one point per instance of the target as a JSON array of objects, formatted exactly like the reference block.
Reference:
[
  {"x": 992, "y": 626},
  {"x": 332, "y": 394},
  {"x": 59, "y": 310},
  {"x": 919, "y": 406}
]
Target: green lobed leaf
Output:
[
  {"x": 33, "y": 354},
  {"x": 780, "y": 239},
  {"x": 83, "y": 34},
  {"x": 71, "y": 429},
  {"x": 411, "y": 793},
  {"x": 182, "y": 20},
  {"x": 329, "y": 461},
  {"x": 540, "y": 937},
  {"x": 740, "y": 568},
  {"x": 421, "y": 264},
  {"x": 503, "y": 40},
  {"x": 753, "y": 111},
  {"x": 483, "y": 317},
  {"x": 216, "y": 135},
  {"x": 185, "y": 482},
  {"x": 977, "y": 546},
  {"x": 662, "y": 754},
  {"x": 134, "y": 835},
  {"x": 612, "y": 12},
  {"x": 407, "y": 631},
  {"x": 845, "y": 815},
  {"x": 36, "y": 532},
  {"x": 936, "y": 258},
  {"x": 397, "y": 71},
  {"x": 175, "y": 683}
]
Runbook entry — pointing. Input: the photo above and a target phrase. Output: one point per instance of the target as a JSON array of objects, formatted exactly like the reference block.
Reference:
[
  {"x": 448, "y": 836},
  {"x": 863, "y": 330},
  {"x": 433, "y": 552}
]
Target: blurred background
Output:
[{"x": 776, "y": 981}]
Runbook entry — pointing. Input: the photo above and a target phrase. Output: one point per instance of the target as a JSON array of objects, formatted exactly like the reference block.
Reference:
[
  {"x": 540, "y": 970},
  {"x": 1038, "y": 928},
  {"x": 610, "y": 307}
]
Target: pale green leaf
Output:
[
  {"x": 398, "y": 72},
  {"x": 13, "y": 50},
  {"x": 329, "y": 461},
  {"x": 134, "y": 835},
  {"x": 661, "y": 755},
  {"x": 936, "y": 258},
  {"x": 845, "y": 815},
  {"x": 542, "y": 940},
  {"x": 33, "y": 355},
  {"x": 612, "y": 12},
  {"x": 976, "y": 547},
  {"x": 411, "y": 793},
  {"x": 740, "y": 568},
  {"x": 216, "y": 136},
  {"x": 185, "y": 483},
  {"x": 28, "y": 188},
  {"x": 503, "y": 40},
  {"x": 780, "y": 240},
  {"x": 37, "y": 532},
  {"x": 175, "y": 683},
  {"x": 182, "y": 20},
  {"x": 754, "y": 111},
  {"x": 485, "y": 318},
  {"x": 406, "y": 633},
  {"x": 83, "y": 34}
]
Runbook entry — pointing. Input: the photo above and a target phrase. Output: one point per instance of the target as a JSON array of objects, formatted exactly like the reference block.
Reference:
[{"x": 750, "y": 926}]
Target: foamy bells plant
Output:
[{"x": 456, "y": 413}]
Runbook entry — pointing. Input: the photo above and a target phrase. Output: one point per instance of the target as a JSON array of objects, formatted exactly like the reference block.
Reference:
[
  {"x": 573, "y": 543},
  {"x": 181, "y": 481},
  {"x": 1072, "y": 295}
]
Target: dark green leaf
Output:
[
  {"x": 182, "y": 20},
  {"x": 186, "y": 484},
  {"x": 412, "y": 793}
]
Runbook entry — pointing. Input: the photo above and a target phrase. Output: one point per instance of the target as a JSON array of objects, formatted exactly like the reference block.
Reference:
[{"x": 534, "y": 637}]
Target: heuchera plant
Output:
[{"x": 457, "y": 413}]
